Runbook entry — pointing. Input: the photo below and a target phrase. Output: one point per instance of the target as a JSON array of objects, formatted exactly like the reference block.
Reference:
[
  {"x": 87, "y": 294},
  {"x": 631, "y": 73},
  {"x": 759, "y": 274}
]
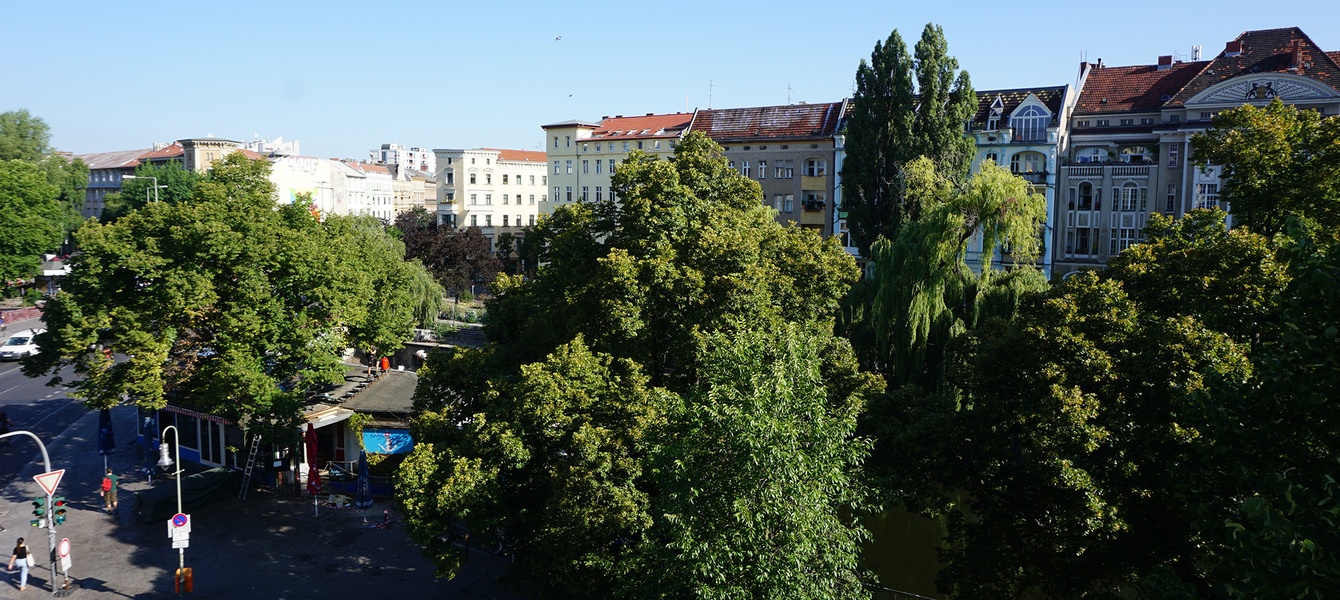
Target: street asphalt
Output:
[{"x": 266, "y": 546}]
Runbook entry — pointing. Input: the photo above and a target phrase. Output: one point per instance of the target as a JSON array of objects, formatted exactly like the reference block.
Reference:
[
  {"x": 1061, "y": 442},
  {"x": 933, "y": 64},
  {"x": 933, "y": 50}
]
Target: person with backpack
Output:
[{"x": 110, "y": 483}]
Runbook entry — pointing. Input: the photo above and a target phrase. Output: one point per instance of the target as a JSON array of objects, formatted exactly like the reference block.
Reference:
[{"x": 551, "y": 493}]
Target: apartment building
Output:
[
  {"x": 1023, "y": 129},
  {"x": 582, "y": 156},
  {"x": 789, "y": 150},
  {"x": 1129, "y": 153},
  {"x": 401, "y": 156},
  {"x": 496, "y": 190}
]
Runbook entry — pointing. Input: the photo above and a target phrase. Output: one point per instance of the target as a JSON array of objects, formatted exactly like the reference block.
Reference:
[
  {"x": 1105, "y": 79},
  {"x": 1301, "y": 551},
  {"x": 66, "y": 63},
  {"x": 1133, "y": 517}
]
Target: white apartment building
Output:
[
  {"x": 493, "y": 189},
  {"x": 413, "y": 158}
]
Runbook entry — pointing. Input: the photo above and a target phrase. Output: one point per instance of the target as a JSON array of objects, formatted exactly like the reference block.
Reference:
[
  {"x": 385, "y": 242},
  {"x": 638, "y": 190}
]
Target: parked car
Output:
[{"x": 21, "y": 344}]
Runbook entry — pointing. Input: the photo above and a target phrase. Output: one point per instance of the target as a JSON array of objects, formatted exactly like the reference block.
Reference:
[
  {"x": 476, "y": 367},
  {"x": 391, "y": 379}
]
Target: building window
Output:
[
  {"x": 532, "y": 198},
  {"x": 555, "y": 141},
  {"x": 504, "y": 199},
  {"x": 597, "y": 167},
  {"x": 814, "y": 202},
  {"x": 746, "y": 171},
  {"x": 1175, "y": 118},
  {"x": 474, "y": 199},
  {"x": 504, "y": 220},
  {"x": 474, "y": 220},
  {"x": 451, "y": 196},
  {"x": 532, "y": 180},
  {"x": 1102, "y": 122},
  {"x": 625, "y": 146},
  {"x": 1172, "y": 154},
  {"x": 583, "y": 147},
  {"x": 1086, "y": 197},
  {"x": 762, "y": 169},
  {"x": 450, "y": 179},
  {"x": 488, "y": 220},
  {"x": 488, "y": 179},
  {"x": 1030, "y": 124},
  {"x": 569, "y": 192},
  {"x": 1147, "y": 120},
  {"x": 556, "y": 171},
  {"x": 568, "y": 166},
  {"x": 1124, "y": 235},
  {"x": 815, "y": 167},
  {"x": 488, "y": 199},
  {"x": 1091, "y": 155},
  {"x": 567, "y": 141},
  {"x": 532, "y": 220},
  {"x": 1135, "y": 154},
  {"x": 1207, "y": 195},
  {"x": 504, "y": 179},
  {"x": 585, "y": 197},
  {"x": 598, "y": 198},
  {"x": 639, "y": 144},
  {"x": 472, "y": 178},
  {"x": 611, "y": 169},
  {"x": 586, "y": 167},
  {"x": 556, "y": 192},
  {"x": 1172, "y": 199},
  {"x": 1130, "y": 197},
  {"x": 1127, "y": 122}
]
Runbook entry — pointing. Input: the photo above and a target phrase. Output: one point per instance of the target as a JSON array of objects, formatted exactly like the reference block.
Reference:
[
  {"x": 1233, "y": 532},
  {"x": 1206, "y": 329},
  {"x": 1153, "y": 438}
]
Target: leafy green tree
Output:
[
  {"x": 540, "y": 443},
  {"x": 176, "y": 183},
  {"x": 1278, "y": 161},
  {"x": 754, "y": 475},
  {"x": 23, "y": 136},
  {"x": 222, "y": 301},
  {"x": 26, "y": 138},
  {"x": 903, "y": 109},
  {"x": 32, "y": 218},
  {"x": 546, "y": 466}
]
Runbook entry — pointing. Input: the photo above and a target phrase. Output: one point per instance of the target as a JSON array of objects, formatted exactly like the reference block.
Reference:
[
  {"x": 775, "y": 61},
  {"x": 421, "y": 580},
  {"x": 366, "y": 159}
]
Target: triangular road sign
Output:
[{"x": 49, "y": 480}]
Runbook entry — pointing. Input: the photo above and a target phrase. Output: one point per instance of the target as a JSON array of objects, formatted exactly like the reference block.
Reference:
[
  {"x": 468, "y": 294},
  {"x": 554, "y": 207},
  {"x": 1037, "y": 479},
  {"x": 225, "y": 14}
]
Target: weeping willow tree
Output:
[{"x": 928, "y": 286}]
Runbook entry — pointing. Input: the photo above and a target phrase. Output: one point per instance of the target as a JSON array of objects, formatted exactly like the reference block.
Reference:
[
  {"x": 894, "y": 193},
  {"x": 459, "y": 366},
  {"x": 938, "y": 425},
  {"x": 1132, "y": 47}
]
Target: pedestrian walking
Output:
[
  {"x": 110, "y": 483},
  {"x": 25, "y": 560}
]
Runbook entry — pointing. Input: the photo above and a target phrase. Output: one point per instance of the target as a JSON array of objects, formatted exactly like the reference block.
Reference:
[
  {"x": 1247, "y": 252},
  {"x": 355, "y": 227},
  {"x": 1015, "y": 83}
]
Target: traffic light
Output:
[
  {"x": 58, "y": 510},
  {"x": 39, "y": 511}
]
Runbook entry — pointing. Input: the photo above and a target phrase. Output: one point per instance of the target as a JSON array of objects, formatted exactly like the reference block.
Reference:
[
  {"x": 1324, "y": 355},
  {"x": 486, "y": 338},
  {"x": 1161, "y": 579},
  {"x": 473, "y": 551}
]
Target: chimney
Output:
[
  {"x": 1295, "y": 54},
  {"x": 1165, "y": 62},
  {"x": 1233, "y": 48},
  {"x": 1195, "y": 52}
]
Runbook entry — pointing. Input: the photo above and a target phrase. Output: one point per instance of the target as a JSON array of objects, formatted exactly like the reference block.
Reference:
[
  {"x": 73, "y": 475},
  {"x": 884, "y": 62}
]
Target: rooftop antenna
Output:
[
  {"x": 788, "y": 93},
  {"x": 710, "y": 87}
]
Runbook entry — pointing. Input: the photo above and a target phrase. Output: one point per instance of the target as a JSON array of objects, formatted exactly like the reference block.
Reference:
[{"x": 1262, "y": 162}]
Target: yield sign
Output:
[{"x": 49, "y": 480}]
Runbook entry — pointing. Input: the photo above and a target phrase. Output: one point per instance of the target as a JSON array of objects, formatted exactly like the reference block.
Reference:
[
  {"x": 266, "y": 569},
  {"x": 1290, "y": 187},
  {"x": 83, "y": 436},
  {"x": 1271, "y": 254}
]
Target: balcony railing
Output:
[
  {"x": 1094, "y": 172},
  {"x": 1037, "y": 177},
  {"x": 1141, "y": 171}
]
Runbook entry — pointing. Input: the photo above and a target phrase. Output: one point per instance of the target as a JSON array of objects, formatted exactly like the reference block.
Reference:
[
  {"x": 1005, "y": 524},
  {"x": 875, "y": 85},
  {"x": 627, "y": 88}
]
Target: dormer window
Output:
[{"x": 1030, "y": 124}]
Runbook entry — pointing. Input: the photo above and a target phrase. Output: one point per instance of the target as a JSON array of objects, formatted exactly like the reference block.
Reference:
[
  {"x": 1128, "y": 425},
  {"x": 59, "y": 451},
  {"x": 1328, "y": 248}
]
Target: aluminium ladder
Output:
[{"x": 251, "y": 466}]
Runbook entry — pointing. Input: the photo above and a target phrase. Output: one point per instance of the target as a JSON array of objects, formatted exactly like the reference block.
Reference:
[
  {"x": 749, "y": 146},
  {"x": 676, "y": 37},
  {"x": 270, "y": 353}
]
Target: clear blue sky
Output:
[{"x": 344, "y": 78}]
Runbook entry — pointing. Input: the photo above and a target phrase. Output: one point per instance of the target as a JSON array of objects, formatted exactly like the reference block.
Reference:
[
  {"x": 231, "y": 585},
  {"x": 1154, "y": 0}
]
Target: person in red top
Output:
[{"x": 386, "y": 364}]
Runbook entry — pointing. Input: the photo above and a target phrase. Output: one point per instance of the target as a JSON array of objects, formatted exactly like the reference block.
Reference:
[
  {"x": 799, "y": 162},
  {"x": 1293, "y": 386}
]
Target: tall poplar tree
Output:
[{"x": 906, "y": 106}]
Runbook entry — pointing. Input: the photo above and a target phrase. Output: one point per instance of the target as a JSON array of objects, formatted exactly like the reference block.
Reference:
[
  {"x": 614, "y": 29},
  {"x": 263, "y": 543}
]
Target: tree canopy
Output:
[
  {"x": 224, "y": 302},
  {"x": 566, "y": 441},
  {"x": 1278, "y": 162},
  {"x": 458, "y": 258},
  {"x": 176, "y": 184},
  {"x": 36, "y": 213}
]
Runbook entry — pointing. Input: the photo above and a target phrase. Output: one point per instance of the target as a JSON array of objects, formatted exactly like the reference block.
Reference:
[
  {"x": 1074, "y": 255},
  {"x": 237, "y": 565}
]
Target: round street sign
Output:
[
  {"x": 63, "y": 549},
  {"x": 179, "y": 520}
]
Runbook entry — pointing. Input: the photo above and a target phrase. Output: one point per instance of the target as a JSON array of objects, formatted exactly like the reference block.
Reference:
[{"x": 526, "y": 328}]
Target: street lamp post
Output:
[
  {"x": 165, "y": 461},
  {"x": 50, "y": 518},
  {"x": 146, "y": 192}
]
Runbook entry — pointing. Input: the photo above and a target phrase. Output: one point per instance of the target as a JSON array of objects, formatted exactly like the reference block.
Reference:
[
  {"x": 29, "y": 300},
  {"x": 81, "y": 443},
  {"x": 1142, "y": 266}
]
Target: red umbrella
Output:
[{"x": 313, "y": 475}]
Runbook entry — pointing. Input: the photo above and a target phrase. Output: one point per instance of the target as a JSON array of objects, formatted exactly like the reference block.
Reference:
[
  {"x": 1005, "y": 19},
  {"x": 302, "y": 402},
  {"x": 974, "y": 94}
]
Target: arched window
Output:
[
  {"x": 1030, "y": 124},
  {"x": 991, "y": 156},
  {"x": 1085, "y": 196},
  {"x": 1027, "y": 162}
]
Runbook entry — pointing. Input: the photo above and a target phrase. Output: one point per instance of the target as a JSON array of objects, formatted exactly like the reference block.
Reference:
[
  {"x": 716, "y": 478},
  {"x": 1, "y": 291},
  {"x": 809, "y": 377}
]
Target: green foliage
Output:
[
  {"x": 23, "y": 136},
  {"x": 903, "y": 109},
  {"x": 543, "y": 442},
  {"x": 32, "y": 218},
  {"x": 177, "y": 184},
  {"x": 754, "y": 477},
  {"x": 1278, "y": 161},
  {"x": 221, "y": 301}
]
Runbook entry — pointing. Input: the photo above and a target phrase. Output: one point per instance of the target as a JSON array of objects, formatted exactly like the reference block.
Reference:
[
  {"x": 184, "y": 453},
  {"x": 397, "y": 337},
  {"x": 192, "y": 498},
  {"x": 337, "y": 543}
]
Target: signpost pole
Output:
[
  {"x": 51, "y": 517},
  {"x": 181, "y": 551}
]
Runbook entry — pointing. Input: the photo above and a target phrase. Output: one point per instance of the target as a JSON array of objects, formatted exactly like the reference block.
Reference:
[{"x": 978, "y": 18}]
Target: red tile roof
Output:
[
  {"x": 173, "y": 150},
  {"x": 793, "y": 121},
  {"x": 1265, "y": 51},
  {"x": 1145, "y": 88},
  {"x": 520, "y": 155},
  {"x": 1128, "y": 89},
  {"x": 649, "y": 126}
]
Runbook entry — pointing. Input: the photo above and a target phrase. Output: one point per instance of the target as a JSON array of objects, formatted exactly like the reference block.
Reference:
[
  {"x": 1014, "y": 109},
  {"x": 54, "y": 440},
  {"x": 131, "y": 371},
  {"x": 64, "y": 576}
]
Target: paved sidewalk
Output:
[{"x": 262, "y": 547}]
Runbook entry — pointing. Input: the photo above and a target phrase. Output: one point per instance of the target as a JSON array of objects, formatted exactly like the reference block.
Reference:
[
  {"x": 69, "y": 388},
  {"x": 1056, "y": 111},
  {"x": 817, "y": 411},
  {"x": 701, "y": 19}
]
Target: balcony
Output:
[
  {"x": 1131, "y": 171},
  {"x": 1034, "y": 177}
]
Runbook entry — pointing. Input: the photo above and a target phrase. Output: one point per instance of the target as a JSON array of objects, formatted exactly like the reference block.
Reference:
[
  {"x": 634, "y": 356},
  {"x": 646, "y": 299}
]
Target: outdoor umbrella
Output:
[
  {"x": 363, "y": 496},
  {"x": 313, "y": 475},
  {"x": 106, "y": 442}
]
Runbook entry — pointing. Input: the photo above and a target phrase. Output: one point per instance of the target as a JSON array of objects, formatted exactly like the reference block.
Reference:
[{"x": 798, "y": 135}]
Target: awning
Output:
[{"x": 328, "y": 415}]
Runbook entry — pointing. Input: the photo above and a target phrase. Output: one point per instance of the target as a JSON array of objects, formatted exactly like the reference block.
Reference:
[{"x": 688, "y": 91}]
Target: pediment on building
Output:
[{"x": 1263, "y": 88}]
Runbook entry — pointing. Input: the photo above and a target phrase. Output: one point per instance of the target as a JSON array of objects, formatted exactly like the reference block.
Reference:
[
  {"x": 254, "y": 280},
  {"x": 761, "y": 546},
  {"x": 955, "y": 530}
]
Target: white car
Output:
[{"x": 20, "y": 344}]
